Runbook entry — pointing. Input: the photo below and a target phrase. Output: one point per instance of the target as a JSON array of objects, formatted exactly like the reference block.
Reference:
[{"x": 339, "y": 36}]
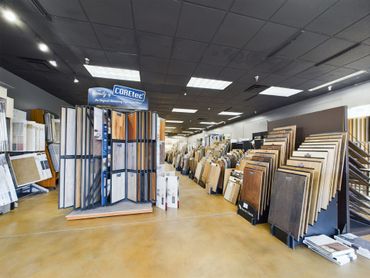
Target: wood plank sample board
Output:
[{"x": 119, "y": 209}]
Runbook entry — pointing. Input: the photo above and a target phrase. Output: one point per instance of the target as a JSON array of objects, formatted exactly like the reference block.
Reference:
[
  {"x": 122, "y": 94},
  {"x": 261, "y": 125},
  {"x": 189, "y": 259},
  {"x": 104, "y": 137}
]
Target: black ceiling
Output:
[{"x": 282, "y": 41}]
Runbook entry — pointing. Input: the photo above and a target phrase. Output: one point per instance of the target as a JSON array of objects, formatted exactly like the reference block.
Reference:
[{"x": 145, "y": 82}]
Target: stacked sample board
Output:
[
  {"x": 7, "y": 188},
  {"x": 30, "y": 168},
  {"x": 307, "y": 182},
  {"x": 3, "y": 128},
  {"x": 259, "y": 169},
  {"x": 106, "y": 157},
  {"x": 359, "y": 200}
]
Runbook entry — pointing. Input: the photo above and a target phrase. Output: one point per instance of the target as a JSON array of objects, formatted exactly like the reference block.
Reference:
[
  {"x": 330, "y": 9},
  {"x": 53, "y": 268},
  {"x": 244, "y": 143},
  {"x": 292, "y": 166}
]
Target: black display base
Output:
[
  {"x": 191, "y": 175},
  {"x": 202, "y": 184},
  {"x": 178, "y": 169},
  {"x": 326, "y": 224},
  {"x": 250, "y": 214},
  {"x": 218, "y": 191},
  {"x": 185, "y": 172}
]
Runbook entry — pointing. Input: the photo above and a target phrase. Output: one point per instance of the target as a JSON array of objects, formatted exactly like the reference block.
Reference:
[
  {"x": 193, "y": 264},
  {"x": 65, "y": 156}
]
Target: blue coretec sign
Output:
[{"x": 121, "y": 97}]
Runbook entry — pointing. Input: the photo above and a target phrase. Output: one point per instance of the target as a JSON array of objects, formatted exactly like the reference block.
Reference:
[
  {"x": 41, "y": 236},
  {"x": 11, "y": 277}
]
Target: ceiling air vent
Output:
[
  {"x": 38, "y": 64},
  {"x": 254, "y": 90},
  {"x": 41, "y": 10}
]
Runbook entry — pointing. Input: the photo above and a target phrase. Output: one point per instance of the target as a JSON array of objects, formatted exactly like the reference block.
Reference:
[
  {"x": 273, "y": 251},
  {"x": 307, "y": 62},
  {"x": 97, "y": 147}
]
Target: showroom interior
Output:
[{"x": 184, "y": 138}]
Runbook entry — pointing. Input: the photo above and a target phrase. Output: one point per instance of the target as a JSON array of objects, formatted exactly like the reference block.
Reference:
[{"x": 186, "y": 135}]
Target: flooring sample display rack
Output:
[
  {"x": 335, "y": 219},
  {"x": 122, "y": 149}
]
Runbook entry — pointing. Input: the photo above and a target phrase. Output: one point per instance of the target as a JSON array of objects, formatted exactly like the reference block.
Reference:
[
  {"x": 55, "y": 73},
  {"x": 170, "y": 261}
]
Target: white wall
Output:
[
  {"x": 28, "y": 96},
  {"x": 351, "y": 97}
]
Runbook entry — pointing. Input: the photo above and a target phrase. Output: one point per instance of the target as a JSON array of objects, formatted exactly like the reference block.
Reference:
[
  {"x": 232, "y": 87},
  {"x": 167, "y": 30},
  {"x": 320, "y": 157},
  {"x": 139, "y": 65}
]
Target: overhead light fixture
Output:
[
  {"x": 185, "y": 94},
  {"x": 204, "y": 83},
  {"x": 188, "y": 132},
  {"x": 171, "y": 127},
  {"x": 183, "y": 110},
  {"x": 53, "y": 63},
  {"x": 174, "y": 121},
  {"x": 113, "y": 73},
  {"x": 195, "y": 128},
  {"x": 338, "y": 80},
  {"x": 9, "y": 15},
  {"x": 233, "y": 118},
  {"x": 76, "y": 80},
  {"x": 280, "y": 91},
  {"x": 43, "y": 47},
  {"x": 208, "y": 123},
  {"x": 229, "y": 113}
]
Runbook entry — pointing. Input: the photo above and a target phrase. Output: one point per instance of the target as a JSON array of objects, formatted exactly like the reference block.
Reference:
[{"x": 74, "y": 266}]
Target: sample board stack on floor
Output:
[
  {"x": 107, "y": 157},
  {"x": 259, "y": 168},
  {"x": 305, "y": 186}
]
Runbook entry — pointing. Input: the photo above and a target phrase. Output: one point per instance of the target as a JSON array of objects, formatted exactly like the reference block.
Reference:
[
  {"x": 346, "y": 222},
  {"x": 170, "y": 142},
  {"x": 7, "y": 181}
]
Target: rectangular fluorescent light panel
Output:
[
  {"x": 170, "y": 127},
  {"x": 280, "y": 91},
  {"x": 204, "y": 83},
  {"x": 228, "y": 113},
  {"x": 182, "y": 110},
  {"x": 208, "y": 123},
  {"x": 195, "y": 128},
  {"x": 188, "y": 132},
  {"x": 338, "y": 80},
  {"x": 113, "y": 73},
  {"x": 233, "y": 118},
  {"x": 174, "y": 121}
]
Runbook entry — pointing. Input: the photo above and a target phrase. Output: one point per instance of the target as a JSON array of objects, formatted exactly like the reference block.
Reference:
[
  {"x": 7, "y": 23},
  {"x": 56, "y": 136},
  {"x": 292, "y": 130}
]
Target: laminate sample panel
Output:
[
  {"x": 25, "y": 169},
  {"x": 251, "y": 190},
  {"x": 286, "y": 206},
  {"x": 118, "y": 126},
  {"x": 118, "y": 187},
  {"x": 132, "y": 186},
  {"x": 118, "y": 156},
  {"x": 132, "y": 126}
]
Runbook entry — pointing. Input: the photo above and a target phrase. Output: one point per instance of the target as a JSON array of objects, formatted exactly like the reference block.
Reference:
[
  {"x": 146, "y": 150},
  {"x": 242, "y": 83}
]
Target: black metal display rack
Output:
[{"x": 335, "y": 219}]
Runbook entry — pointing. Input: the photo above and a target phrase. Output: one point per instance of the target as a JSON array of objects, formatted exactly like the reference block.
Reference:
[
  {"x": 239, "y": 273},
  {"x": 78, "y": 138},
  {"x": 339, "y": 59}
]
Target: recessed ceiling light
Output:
[
  {"x": 188, "y": 132},
  {"x": 213, "y": 84},
  {"x": 280, "y": 92},
  {"x": 113, "y": 73},
  {"x": 53, "y": 63},
  {"x": 174, "y": 121},
  {"x": 183, "y": 110},
  {"x": 75, "y": 80},
  {"x": 338, "y": 80},
  {"x": 43, "y": 47},
  {"x": 185, "y": 94},
  {"x": 229, "y": 113},
  {"x": 9, "y": 16},
  {"x": 208, "y": 123},
  {"x": 171, "y": 127},
  {"x": 233, "y": 118},
  {"x": 195, "y": 128}
]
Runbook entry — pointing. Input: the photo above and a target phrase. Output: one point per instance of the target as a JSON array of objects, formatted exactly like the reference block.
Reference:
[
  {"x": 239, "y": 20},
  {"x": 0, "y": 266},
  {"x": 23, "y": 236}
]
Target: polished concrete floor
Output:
[{"x": 204, "y": 238}]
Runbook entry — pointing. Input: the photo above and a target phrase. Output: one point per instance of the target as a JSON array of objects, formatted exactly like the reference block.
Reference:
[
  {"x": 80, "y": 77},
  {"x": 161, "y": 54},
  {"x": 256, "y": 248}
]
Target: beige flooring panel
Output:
[{"x": 204, "y": 238}]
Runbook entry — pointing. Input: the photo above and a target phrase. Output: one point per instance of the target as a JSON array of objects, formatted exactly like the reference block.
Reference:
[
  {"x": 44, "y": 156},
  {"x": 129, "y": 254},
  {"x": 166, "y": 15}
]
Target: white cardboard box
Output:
[
  {"x": 173, "y": 200},
  {"x": 161, "y": 200}
]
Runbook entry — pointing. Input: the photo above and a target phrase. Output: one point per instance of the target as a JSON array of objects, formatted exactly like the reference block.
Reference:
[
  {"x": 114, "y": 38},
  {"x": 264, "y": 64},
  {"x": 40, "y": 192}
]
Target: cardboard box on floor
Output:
[{"x": 168, "y": 191}]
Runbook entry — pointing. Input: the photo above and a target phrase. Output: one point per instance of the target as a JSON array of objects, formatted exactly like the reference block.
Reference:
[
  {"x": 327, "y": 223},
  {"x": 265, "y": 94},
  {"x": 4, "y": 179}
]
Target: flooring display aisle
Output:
[{"x": 155, "y": 239}]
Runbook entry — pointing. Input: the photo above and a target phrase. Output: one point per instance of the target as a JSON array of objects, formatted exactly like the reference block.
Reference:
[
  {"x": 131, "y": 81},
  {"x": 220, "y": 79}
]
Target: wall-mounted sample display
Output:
[
  {"x": 30, "y": 168},
  {"x": 7, "y": 188}
]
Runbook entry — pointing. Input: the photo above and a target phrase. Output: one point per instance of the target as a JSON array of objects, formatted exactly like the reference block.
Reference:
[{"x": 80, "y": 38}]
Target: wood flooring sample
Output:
[
  {"x": 251, "y": 191},
  {"x": 287, "y": 202}
]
